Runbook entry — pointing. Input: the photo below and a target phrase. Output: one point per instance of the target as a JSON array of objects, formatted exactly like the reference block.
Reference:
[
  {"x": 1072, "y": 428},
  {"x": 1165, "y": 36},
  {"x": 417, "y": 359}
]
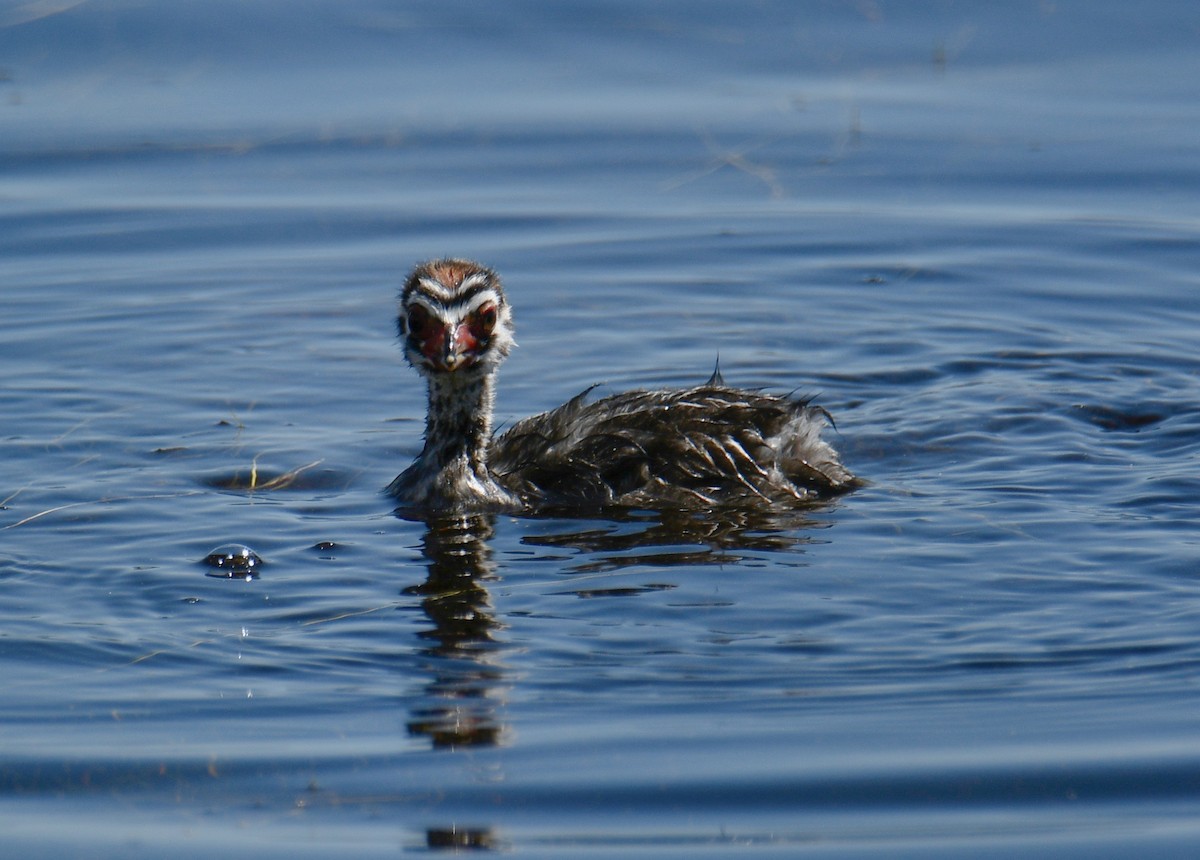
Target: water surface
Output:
[{"x": 970, "y": 233}]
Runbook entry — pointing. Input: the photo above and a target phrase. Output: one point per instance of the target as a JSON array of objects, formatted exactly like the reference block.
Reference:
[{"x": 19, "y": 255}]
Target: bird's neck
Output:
[{"x": 458, "y": 424}]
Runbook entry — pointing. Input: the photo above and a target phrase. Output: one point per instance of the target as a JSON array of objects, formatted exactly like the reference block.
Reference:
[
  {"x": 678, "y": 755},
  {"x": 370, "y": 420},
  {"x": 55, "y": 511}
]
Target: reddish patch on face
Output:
[
  {"x": 422, "y": 326},
  {"x": 482, "y": 322},
  {"x": 463, "y": 342},
  {"x": 427, "y": 332},
  {"x": 448, "y": 348}
]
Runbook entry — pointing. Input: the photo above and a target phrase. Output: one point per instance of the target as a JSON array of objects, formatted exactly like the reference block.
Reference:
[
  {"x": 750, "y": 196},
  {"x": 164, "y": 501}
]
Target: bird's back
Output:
[{"x": 688, "y": 448}]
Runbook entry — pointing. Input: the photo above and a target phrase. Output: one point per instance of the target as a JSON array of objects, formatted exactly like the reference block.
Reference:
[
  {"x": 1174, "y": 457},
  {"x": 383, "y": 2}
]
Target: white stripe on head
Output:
[
  {"x": 447, "y": 308},
  {"x": 473, "y": 279},
  {"x": 435, "y": 287}
]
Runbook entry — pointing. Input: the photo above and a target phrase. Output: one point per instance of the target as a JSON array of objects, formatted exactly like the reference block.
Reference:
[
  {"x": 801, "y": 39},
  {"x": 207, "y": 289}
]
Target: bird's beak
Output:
[{"x": 459, "y": 348}]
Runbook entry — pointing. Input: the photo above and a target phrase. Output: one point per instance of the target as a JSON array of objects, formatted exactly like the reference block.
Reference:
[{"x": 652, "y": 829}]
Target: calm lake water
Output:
[{"x": 971, "y": 231}]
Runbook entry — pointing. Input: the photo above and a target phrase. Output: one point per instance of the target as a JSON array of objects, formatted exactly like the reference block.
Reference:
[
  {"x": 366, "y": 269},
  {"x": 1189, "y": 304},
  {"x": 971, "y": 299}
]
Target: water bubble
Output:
[
  {"x": 233, "y": 561},
  {"x": 327, "y": 549}
]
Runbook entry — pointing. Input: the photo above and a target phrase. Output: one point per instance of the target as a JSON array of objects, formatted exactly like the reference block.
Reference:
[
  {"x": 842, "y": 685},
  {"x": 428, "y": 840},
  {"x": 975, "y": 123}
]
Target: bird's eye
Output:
[
  {"x": 485, "y": 319},
  {"x": 418, "y": 321}
]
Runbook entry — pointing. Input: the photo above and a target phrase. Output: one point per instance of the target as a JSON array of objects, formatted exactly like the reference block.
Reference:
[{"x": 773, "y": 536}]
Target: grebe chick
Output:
[{"x": 692, "y": 448}]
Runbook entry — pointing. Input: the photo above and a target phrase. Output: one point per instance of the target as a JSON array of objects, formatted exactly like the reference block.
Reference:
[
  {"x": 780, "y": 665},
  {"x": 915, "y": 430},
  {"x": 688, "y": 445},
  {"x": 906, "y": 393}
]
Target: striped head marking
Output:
[{"x": 454, "y": 318}]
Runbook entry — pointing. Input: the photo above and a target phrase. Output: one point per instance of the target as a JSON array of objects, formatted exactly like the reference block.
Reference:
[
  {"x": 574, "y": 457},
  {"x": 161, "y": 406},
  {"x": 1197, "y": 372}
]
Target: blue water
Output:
[{"x": 969, "y": 230}]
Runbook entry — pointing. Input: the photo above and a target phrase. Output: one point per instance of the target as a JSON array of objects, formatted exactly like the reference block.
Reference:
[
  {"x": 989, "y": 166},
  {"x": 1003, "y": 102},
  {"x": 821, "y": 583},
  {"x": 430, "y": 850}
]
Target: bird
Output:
[{"x": 696, "y": 448}]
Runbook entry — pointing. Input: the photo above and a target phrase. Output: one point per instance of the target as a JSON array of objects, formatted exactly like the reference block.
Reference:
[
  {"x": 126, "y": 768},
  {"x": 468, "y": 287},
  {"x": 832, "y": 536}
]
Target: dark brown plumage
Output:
[{"x": 693, "y": 448}]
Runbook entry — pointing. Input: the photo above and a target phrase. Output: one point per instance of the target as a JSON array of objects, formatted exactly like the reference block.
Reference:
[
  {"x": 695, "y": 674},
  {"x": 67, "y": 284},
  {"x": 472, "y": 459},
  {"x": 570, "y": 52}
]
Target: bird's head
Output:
[{"x": 454, "y": 319}]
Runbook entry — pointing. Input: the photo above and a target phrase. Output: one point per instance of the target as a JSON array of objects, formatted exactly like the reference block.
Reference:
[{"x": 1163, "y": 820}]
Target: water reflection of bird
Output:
[
  {"x": 683, "y": 449},
  {"x": 461, "y": 701}
]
